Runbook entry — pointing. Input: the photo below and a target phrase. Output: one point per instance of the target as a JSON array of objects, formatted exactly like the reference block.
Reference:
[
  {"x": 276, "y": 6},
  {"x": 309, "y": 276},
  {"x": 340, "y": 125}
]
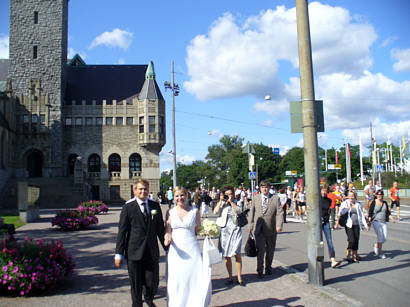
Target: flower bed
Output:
[
  {"x": 70, "y": 219},
  {"x": 31, "y": 266},
  {"x": 97, "y": 205}
]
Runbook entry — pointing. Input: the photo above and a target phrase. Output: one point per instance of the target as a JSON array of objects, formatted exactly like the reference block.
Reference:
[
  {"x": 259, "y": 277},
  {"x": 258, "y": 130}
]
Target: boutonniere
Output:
[{"x": 153, "y": 213}]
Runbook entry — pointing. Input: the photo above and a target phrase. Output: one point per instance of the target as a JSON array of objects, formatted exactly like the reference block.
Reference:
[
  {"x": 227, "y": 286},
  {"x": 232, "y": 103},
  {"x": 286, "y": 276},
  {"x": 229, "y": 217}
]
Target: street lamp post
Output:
[{"x": 175, "y": 91}]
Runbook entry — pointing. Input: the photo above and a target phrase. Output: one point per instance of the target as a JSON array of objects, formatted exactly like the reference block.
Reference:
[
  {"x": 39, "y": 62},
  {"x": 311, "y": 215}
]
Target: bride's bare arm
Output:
[
  {"x": 198, "y": 222},
  {"x": 168, "y": 232}
]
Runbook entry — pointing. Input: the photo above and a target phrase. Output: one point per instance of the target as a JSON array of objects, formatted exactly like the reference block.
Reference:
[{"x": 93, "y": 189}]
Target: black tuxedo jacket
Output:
[{"x": 137, "y": 233}]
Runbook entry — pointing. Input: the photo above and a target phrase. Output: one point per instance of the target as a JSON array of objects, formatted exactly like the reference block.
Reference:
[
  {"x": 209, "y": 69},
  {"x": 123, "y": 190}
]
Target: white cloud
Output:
[
  {"x": 4, "y": 47},
  {"x": 300, "y": 143},
  {"x": 166, "y": 159},
  {"x": 382, "y": 132},
  {"x": 71, "y": 52},
  {"x": 238, "y": 60},
  {"x": 216, "y": 133},
  {"x": 389, "y": 41},
  {"x": 267, "y": 123},
  {"x": 354, "y": 102},
  {"x": 322, "y": 138},
  {"x": 403, "y": 58},
  {"x": 185, "y": 159},
  {"x": 272, "y": 107},
  {"x": 116, "y": 38}
]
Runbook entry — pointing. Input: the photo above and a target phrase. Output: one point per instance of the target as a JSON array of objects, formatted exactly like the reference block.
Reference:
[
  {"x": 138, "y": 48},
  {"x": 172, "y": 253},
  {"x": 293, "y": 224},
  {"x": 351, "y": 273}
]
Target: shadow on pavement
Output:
[
  {"x": 266, "y": 302},
  {"x": 350, "y": 277}
]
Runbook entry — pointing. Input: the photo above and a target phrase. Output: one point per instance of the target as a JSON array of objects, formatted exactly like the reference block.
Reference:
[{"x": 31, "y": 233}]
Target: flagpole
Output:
[
  {"x": 401, "y": 159},
  {"x": 361, "y": 158},
  {"x": 348, "y": 170}
]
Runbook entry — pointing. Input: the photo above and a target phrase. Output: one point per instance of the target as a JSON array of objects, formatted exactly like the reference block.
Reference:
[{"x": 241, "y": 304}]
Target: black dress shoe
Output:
[
  {"x": 229, "y": 282},
  {"x": 150, "y": 303},
  {"x": 241, "y": 283},
  {"x": 260, "y": 275},
  {"x": 268, "y": 271}
]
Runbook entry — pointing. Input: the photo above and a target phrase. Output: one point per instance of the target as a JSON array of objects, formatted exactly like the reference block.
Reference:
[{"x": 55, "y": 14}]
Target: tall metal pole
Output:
[
  {"x": 174, "y": 146},
  {"x": 314, "y": 240},
  {"x": 373, "y": 153}
]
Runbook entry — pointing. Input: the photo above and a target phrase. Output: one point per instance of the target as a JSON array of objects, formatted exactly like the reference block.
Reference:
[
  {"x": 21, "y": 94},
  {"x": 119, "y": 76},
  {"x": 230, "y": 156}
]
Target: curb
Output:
[{"x": 325, "y": 290}]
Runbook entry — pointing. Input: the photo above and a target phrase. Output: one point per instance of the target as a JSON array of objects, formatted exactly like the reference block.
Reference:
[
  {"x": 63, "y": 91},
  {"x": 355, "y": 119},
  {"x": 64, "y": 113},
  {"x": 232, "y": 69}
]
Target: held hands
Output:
[{"x": 167, "y": 239}]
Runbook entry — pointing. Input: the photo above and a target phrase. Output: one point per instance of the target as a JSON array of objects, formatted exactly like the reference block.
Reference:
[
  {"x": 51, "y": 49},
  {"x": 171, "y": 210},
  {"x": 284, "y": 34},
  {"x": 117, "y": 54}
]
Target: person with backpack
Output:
[{"x": 379, "y": 215}]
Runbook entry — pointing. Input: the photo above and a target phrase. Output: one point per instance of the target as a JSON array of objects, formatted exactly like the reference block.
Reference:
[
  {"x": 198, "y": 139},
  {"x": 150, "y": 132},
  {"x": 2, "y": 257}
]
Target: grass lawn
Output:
[{"x": 11, "y": 219}]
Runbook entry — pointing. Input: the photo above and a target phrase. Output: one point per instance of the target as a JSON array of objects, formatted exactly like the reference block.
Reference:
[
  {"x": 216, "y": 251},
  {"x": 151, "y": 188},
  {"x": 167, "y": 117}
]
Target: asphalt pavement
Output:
[
  {"x": 372, "y": 281},
  {"x": 97, "y": 283}
]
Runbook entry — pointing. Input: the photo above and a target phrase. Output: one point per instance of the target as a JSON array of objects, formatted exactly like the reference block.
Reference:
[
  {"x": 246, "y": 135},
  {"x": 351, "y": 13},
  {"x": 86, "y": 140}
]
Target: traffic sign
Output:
[
  {"x": 276, "y": 151},
  {"x": 252, "y": 175},
  {"x": 338, "y": 166},
  {"x": 291, "y": 173}
]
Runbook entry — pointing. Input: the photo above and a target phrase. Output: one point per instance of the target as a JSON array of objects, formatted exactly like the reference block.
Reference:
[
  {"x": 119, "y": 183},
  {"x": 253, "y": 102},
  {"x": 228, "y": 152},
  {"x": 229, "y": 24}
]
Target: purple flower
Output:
[{"x": 5, "y": 268}]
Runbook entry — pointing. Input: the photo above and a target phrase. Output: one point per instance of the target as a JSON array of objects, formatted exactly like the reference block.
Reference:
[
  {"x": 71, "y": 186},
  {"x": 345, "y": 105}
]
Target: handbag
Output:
[
  {"x": 250, "y": 246},
  {"x": 211, "y": 252},
  {"x": 343, "y": 219},
  {"x": 242, "y": 219}
]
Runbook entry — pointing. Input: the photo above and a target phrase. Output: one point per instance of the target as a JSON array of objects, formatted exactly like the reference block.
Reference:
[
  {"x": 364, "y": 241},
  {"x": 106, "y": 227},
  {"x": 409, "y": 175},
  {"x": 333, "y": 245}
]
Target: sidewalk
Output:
[{"x": 96, "y": 283}]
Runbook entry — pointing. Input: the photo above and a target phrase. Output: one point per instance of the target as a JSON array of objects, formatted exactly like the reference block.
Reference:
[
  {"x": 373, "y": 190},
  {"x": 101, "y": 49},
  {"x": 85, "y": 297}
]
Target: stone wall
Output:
[{"x": 45, "y": 74}]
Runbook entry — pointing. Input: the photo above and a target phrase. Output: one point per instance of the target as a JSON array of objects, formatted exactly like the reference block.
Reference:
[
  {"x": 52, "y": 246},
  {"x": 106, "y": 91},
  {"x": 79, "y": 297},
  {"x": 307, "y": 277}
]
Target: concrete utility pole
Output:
[
  {"x": 315, "y": 250},
  {"x": 174, "y": 146},
  {"x": 175, "y": 91}
]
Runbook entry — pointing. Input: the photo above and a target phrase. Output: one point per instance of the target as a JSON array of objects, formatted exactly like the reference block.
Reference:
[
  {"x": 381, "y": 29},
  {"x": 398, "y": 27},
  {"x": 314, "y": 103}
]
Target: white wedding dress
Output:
[{"x": 189, "y": 278}]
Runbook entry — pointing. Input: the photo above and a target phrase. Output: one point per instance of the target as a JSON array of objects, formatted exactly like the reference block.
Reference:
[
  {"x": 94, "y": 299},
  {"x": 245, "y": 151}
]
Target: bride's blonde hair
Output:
[{"x": 179, "y": 188}]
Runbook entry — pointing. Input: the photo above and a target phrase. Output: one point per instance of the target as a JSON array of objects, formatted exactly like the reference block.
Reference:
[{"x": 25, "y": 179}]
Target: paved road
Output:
[
  {"x": 373, "y": 281},
  {"x": 97, "y": 284}
]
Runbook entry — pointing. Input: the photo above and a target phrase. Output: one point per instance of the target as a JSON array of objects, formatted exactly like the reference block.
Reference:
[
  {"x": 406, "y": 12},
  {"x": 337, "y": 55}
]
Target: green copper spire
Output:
[{"x": 150, "y": 74}]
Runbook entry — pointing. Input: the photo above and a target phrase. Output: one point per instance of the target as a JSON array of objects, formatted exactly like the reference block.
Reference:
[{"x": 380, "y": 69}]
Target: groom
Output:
[{"x": 140, "y": 224}]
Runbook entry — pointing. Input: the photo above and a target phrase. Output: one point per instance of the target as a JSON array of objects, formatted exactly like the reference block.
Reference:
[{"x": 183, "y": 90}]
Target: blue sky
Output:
[{"x": 230, "y": 54}]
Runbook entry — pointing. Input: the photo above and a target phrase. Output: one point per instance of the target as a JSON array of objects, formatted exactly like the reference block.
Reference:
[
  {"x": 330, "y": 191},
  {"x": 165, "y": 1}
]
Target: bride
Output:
[{"x": 189, "y": 278}]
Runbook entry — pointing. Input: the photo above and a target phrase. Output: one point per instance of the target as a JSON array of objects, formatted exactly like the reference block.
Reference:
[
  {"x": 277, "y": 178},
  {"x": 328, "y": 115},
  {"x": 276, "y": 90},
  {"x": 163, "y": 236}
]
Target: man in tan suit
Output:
[{"x": 265, "y": 210}]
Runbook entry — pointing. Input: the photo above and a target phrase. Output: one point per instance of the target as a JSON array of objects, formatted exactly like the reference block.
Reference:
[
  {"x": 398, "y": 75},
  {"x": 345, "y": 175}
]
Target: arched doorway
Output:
[
  {"x": 71, "y": 163},
  {"x": 35, "y": 164}
]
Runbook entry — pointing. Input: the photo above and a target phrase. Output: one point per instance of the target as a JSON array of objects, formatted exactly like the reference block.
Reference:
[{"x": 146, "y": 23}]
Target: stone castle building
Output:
[{"x": 78, "y": 131}]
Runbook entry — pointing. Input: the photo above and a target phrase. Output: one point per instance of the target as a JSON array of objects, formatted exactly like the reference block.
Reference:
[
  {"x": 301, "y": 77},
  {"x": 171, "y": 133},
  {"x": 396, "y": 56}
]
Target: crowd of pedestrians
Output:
[{"x": 268, "y": 209}]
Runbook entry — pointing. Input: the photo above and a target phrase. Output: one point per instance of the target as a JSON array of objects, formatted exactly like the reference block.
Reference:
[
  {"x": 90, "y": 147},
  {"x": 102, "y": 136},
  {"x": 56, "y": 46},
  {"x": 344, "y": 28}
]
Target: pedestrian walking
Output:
[
  {"x": 354, "y": 221},
  {"x": 379, "y": 215},
  {"x": 395, "y": 199},
  {"x": 325, "y": 206},
  {"x": 266, "y": 220}
]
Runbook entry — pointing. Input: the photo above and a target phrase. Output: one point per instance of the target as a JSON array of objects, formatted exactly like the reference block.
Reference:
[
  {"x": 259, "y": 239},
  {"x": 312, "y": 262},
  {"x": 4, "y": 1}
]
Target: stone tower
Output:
[{"x": 37, "y": 77}]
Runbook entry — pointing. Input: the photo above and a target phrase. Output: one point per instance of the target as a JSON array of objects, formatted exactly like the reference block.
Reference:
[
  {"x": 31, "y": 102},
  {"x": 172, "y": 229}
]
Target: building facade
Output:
[{"x": 97, "y": 128}]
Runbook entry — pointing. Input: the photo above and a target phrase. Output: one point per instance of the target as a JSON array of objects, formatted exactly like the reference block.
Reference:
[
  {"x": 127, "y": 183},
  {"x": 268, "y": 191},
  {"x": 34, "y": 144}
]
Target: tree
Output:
[
  {"x": 269, "y": 167},
  {"x": 293, "y": 160}
]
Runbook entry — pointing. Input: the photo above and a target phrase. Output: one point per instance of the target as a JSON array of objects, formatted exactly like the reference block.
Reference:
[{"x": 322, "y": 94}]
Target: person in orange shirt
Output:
[
  {"x": 334, "y": 198},
  {"x": 395, "y": 199}
]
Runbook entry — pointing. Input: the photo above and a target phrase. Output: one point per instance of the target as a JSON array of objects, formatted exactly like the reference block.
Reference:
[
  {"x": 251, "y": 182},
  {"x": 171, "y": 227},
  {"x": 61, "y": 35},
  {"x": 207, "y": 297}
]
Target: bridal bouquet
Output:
[{"x": 208, "y": 228}]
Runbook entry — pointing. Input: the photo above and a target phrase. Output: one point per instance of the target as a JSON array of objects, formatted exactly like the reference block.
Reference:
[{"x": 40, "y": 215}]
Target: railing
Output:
[
  {"x": 115, "y": 174},
  {"x": 134, "y": 174}
]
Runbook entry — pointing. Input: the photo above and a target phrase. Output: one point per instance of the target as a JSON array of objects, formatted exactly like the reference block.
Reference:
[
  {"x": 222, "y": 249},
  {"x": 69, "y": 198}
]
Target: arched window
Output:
[
  {"x": 135, "y": 162},
  {"x": 94, "y": 163},
  {"x": 71, "y": 163},
  {"x": 114, "y": 163}
]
